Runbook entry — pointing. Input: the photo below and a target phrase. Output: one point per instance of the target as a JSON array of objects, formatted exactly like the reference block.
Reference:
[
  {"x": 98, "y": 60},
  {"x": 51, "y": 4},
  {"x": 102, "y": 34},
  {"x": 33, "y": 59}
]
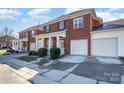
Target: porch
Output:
[
  {"x": 23, "y": 44},
  {"x": 51, "y": 40}
]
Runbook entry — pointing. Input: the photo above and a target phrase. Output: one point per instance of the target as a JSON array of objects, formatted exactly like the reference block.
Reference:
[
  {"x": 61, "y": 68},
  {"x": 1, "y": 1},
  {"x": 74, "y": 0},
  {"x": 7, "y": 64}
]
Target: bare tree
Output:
[{"x": 7, "y": 34}]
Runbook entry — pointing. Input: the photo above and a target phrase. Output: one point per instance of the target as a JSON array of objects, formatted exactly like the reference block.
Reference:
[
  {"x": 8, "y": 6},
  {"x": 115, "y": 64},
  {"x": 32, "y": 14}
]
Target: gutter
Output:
[{"x": 107, "y": 30}]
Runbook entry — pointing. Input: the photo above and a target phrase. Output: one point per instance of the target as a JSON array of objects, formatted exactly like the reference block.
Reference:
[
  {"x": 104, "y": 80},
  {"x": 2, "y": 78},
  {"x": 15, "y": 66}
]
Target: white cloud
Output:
[
  {"x": 39, "y": 13},
  {"x": 69, "y": 10},
  {"x": 114, "y": 9},
  {"x": 109, "y": 16},
  {"x": 9, "y": 13}
]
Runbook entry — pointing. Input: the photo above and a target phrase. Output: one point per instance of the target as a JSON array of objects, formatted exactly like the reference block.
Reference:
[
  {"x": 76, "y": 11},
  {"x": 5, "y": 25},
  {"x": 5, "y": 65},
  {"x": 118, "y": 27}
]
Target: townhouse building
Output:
[
  {"x": 26, "y": 40},
  {"x": 6, "y": 41},
  {"x": 78, "y": 33},
  {"x": 70, "y": 33}
]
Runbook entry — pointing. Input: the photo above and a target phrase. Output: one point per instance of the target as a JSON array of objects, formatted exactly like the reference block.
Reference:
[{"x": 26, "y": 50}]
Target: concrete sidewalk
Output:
[
  {"x": 17, "y": 64},
  {"x": 7, "y": 76}
]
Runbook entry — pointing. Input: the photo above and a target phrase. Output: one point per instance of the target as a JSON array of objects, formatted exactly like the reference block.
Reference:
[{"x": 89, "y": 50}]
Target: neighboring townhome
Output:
[
  {"x": 15, "y": 44},
  {"x": 6, "y": 41},
  {"x": 26, "y": 39},
  {"x": 108, "y": 40}
]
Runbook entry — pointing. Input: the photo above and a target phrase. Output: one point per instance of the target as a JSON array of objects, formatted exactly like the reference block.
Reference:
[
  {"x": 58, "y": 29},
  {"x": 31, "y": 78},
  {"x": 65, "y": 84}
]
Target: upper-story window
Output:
[
  {"x": 26, "y": 34},
  {"x": 78, "y": 22},
  {"x": 33, "y": 32},
  {"x": 47, "y": 29},
  {"x": 61, "y": 25}
]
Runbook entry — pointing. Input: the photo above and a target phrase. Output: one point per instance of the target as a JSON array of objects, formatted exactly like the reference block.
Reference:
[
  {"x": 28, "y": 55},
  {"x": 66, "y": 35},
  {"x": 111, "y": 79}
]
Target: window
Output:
[
  {"x": 47, "y": 28},
  {"x": 78, "y": 22},
  {"x": 26, "y": 34},
  {"x": 39, "y": 39},
  {"x": 33, "y": 32},
  {"x": 61, "y": 25}
]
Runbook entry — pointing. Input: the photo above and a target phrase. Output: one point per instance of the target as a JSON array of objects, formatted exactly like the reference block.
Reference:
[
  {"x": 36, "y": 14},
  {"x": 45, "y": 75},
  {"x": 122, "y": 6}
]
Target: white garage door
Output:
[
  {"x": 79, "y": 47},
  {"x": 39, "y": 44},
  {"x": 105, "y": 47},
  {"x": 32, "y": 46}
]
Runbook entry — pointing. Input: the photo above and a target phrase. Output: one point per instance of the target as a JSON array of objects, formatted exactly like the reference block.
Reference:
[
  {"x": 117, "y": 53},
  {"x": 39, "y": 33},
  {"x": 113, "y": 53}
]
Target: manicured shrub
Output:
[
  {"x": 42, "y": 52},
  {"x": 36, "y": 53},
  {"x": 55, "y": 53},
  {"x": 32, "y": 53},
  {"x": 11, "y": 50}
]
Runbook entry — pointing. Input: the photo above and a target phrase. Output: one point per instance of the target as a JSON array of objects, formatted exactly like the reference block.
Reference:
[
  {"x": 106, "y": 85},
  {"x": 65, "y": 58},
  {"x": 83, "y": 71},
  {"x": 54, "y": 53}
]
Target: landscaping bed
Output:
[
  {"x": 43, "y": 61},
  {"x": 27, "y": 58}
]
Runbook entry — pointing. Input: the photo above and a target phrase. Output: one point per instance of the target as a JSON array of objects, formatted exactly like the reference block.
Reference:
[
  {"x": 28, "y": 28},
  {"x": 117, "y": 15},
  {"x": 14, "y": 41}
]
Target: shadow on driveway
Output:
[
  {"x": 59, "y": 66},
  {"x": 101, "y": 72}
]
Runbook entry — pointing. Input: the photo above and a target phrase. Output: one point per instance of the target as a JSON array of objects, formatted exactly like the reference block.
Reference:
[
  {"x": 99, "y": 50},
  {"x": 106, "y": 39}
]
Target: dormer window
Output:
[{"x": 78, "y": 22}]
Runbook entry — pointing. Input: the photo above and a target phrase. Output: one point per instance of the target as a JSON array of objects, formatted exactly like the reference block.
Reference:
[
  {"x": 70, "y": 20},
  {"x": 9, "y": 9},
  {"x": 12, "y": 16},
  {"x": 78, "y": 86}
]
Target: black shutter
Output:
[
  {"x": 64, "y": 24},
  {"x": 58, "y": 26},
  {"x": 49, "y": 28},
  {"x": 44, "y": 29}
]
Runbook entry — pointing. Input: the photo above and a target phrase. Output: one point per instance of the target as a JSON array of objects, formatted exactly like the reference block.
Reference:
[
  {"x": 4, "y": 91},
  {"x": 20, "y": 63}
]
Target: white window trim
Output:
[
  {"x": 61, "y": 25},
  {"x": 33, "y": 32},
  {"x": 26, "y": 34},
  {"x": 47, "y": 28},
  {"x": 76, "y": 21}
]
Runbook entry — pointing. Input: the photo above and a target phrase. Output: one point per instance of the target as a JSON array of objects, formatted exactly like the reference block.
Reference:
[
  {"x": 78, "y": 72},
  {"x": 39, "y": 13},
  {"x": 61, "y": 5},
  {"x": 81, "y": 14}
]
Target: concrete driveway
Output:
[{"x": 80, "y": 70}]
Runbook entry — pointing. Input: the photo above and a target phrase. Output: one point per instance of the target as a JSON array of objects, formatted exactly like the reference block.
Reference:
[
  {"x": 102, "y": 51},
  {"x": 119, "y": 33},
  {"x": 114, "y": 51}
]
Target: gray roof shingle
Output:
[{"x": 108, "y": 26}]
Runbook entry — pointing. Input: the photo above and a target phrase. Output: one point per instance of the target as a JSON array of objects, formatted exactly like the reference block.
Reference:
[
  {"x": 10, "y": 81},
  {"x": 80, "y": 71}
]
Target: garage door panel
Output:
[
  {"x": 79, "y": 47},
  {"x": 105, "y": 47},
  {"x": 39, "y": 44},
  {"x": 32, "y": 46}
]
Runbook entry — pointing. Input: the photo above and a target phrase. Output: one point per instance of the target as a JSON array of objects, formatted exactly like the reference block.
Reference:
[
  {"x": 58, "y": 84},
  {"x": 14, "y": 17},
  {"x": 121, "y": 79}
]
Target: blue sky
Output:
[{"x": 21, "y": 18}]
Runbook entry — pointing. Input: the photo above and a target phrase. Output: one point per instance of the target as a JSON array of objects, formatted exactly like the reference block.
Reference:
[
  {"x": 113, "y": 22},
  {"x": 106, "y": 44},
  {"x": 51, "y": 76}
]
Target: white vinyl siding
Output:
[
  {"x": 78, "y": 22},
  {"x": 112, "y": 33}
]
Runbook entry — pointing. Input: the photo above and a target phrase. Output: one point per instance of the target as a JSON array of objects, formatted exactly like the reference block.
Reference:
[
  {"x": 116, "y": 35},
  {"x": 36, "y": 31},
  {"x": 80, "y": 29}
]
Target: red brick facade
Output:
[
  {"x": 71, "y": 34},
  {"x": 81, "y": 33},
  {"x": 31, "y": 39}
]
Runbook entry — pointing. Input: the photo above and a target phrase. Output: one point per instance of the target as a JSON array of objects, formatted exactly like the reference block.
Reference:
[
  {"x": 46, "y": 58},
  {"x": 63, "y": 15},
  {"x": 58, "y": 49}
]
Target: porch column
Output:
[
  {"x": 42, "y": 42},
  {"x": 49, "y": 43},
  {"x": 20, "y": 45},
  {"x": 36, "y": 43},
  {"x": 58, "y": 41},
  {"x": 13, "y": 47}
]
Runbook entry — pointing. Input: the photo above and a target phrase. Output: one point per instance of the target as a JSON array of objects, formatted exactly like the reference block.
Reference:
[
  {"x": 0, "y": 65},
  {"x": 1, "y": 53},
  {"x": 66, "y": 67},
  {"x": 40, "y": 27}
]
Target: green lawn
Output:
[
  {"x": 122, "y": 58},
  {"x": 27, "y": 58},
  {"x": 4, "y": 52}
]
